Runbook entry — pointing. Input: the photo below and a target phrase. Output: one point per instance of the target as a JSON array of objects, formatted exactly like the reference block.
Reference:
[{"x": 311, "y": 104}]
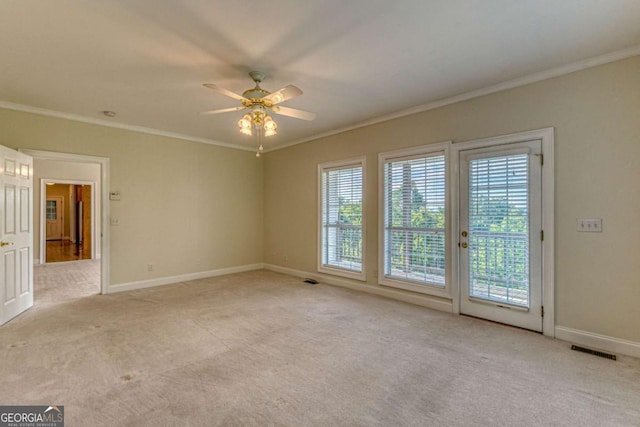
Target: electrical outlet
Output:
[
  {"x": 149, "y": 267},
  {"x": 590, "y": 225},
  {"x": 115, "y": 221}
]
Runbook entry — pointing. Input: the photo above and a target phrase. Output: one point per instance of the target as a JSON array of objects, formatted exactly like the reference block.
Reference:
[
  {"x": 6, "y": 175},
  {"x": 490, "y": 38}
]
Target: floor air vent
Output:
[
  {"x": 311, "y": 281},
  {"x": 594, "y": 352}
]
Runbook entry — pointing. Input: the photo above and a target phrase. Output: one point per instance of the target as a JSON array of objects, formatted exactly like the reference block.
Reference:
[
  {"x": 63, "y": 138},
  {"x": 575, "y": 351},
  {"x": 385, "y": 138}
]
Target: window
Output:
[
  {"x": 341, "y": 188},
  {"x": 52, "y": 209},
  {"x": 498, "y": 223},
  {"x": 414, "y": 219}
]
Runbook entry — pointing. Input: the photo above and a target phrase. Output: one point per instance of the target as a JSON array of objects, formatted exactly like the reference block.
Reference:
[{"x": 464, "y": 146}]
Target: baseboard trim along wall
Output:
[
  {"x": 422, "y": 300},
  {"x": 597, "y": 341},
  {"x": 142, "y": 284}
]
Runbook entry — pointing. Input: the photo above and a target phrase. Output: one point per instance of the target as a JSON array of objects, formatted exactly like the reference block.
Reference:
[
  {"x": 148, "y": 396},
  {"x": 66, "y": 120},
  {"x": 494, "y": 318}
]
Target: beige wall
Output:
[
  {"x": 596, "y": 115},
  {"x": 71, "y": 171},
  {"x": 186, "y": 207}
]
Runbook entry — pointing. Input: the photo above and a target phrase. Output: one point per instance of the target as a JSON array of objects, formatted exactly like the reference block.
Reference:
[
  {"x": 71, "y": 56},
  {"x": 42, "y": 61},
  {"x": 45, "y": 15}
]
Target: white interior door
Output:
[
  {"x": 500, "y": 234},
  {"x": 16, "y": 233},
  {"x": 55, "y": 219}
]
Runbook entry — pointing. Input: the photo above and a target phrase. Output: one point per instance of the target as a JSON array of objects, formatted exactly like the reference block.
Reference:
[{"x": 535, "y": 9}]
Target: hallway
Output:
[{"x": 65, "y": 250}]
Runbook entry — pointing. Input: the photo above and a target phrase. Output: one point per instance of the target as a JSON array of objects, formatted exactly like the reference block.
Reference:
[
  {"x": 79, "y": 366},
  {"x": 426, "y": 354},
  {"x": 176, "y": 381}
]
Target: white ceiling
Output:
[{"x": 355, "y": 60}]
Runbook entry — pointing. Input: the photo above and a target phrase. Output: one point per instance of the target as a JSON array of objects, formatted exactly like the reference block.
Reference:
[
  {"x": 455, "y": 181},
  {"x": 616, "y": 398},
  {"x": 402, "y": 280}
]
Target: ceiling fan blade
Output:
[
  {"x": 223, "y": 110},
  {"x": 224, "y": 91},
  {"x": 283, "y": 94},
  {"x": 294, "y": 112}
]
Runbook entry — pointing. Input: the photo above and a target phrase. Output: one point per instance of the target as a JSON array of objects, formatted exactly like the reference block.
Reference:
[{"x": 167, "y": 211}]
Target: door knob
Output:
[
  {"x": 464, "y": 244},
  {"x": 464, "y": 234},
  {"x": 3, "y": 244}
]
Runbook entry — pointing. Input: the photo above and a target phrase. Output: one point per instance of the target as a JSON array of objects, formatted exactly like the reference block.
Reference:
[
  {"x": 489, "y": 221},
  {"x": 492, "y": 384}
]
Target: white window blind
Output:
[
  {"x": 499, "y": 229},
  {"x": 341, "y": 220},
  {"x": 414, "y": 219}
]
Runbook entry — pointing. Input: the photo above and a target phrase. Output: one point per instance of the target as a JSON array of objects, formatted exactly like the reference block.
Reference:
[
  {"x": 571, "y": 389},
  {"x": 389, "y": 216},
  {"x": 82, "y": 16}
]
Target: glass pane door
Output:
[
  {"x": 499, "y": 229},
  {"x": 500, "y": 223}
]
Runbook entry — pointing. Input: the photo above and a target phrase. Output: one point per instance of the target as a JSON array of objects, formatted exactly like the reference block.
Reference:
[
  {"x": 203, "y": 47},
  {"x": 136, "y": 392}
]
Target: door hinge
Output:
[
  {"x": 541, "y": 157},
  {"x": 542, "y": 311},
  {"x": 542, "y": 235}
]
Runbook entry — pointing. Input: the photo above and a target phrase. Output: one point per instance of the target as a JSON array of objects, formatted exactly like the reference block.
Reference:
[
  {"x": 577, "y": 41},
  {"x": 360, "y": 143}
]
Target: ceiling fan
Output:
[
  {"x": 261, "y": 102},
  {"x": 262, "y": 99}
]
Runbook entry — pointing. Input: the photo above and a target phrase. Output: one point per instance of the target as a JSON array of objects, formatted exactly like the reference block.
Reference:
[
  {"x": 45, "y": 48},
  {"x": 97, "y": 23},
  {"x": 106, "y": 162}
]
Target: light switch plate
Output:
[
  {"x": 115, "y": 195},
  {"x": 590, "y": 225}
]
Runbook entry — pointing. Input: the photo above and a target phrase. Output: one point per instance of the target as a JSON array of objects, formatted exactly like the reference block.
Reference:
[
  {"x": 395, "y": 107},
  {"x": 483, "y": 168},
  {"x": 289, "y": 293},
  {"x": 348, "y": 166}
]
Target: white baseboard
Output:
[
  {"x": 141, "y": 284},
  {"x": 422, "y": 300},
  {"x": 597, "y": 341}
]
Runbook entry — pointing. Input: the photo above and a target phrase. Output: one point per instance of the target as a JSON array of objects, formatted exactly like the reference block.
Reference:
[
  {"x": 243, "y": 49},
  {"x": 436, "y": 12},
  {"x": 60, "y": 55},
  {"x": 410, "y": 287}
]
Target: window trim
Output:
[
  {"x": 342, "y": 164},
  {"x": 405, "y": 154}
]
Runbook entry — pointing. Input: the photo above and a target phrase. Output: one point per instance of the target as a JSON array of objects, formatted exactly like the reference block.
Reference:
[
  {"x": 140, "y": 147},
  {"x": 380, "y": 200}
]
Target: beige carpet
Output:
[
  {"x": 262, "y": 349},
  {"x": 60, "y": 281}
]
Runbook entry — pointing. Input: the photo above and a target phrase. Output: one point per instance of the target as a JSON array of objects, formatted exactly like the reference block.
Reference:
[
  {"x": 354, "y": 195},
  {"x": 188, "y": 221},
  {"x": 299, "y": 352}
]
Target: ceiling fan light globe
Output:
[
  {"x": 245, "y": 125},
  {"x": 245, "y": 121},
  {"x": 270, "y": 126}
]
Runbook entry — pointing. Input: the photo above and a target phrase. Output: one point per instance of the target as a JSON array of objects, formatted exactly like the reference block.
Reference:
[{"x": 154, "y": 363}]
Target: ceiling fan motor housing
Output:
[{"x": 257, "y": 92}]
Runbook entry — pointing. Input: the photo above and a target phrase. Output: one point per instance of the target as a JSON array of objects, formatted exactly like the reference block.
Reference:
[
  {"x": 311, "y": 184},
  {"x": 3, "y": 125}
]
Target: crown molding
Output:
[
  {"x": 100, "y": 122},
  {"x": 509, "y": 84}
]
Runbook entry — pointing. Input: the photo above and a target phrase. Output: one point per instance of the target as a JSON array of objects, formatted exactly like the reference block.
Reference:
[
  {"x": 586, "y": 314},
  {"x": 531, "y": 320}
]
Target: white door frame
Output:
[
  {"x": 103, "y": 162},
  {"x": 43, "y": 211},
  {"x": 546, "y": 135}
]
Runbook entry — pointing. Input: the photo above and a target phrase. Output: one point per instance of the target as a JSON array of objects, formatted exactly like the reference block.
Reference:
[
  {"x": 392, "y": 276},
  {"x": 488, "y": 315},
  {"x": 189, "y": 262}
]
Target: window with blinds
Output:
[
  {"x": 341, "y": 219},
  {"x": 499, "y": 229},
  {"x": 415, "y": 219}
]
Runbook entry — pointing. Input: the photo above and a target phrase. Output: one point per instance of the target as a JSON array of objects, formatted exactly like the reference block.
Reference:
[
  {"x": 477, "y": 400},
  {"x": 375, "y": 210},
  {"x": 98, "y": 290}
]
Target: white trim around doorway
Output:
[{"x": 103, "y": 162}]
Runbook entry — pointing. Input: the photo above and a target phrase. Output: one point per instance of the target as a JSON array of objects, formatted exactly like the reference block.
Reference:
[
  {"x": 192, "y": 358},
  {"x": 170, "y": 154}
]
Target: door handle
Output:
[
  {"x": 464, "y": 245},
  {"x": 3, "y": 244},
  {"x": 464, "y": 234}
]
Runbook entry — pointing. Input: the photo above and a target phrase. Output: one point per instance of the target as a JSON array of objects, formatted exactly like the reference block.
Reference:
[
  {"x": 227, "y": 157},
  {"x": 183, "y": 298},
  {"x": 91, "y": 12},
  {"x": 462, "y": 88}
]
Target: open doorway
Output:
[
  {"x": 71, "y": 257},
  {"x": 67, "y": 219},
  {"x": 69, "y": 264}
]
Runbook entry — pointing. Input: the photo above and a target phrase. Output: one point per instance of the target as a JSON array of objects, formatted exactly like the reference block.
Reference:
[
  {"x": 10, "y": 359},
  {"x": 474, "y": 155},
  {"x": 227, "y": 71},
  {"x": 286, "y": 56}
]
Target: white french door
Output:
[
  {"x": 16, "y": 233},
  {"x": 500, "y": 248}
]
